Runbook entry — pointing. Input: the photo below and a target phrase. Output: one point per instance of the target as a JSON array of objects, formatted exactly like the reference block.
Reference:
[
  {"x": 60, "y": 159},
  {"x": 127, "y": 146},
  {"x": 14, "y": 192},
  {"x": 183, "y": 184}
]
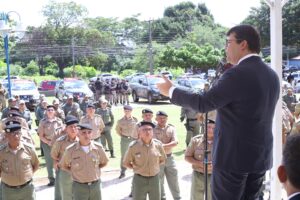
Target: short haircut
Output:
[
  {"x": 291, "y": 159},
  {"x": 248, "y": 33}
]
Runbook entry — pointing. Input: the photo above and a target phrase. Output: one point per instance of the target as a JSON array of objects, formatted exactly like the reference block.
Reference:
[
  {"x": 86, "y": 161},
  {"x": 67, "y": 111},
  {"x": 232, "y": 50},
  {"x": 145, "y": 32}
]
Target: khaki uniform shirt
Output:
[
  {"x": 165, "y": 135},
  {"x": 17, "y": 167},
  {"x": 51, "y": 129},
  {"x": 146, "y": 159},
  {"x": 196, "y": 150},
  {"x": 126, "y": 126},
  {"x": 84, "y": 167},
  {"x": 60, "y": 146},
  {"x": 96, "y": 123}
]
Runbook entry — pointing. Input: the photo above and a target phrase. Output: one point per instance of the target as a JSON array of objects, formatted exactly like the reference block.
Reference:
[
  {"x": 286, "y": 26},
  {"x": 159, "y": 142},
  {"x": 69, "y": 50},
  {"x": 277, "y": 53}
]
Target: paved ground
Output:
[{"x": 119, "y": 189}]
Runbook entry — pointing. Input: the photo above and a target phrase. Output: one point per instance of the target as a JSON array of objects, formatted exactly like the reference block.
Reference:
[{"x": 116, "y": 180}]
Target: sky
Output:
[{"x": 226, "y": 12}]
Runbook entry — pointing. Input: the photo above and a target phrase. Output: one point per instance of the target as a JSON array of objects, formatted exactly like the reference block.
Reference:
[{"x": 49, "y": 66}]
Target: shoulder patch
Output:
[
  {"x": 171, "y": 125},
  {"x": 61, "y": 138},
  {"x": 98, "y": 144},
  {"x": 131, "y": 144},
  {"x": 71, "y": 146}
]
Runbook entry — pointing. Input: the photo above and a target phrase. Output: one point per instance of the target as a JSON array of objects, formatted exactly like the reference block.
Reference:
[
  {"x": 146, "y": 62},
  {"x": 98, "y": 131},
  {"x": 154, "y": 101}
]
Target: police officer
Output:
[
  {"x": 125, "y": 128},
  {"x": 194, "y": 154},
  {"x": 14, "y": 115},
  {"x": 99, "y": 87},
  {"x": 107, "y": 90},
  {"x": 18, "y": 162},
  {"x": 58, "y": 111},
  {"x": 145, "y": 156},
  {"x": 2, "y": 97},
  {"x": 72, "y": 108},
  {"x": 125, "y": 92},
  {"x": 108, "y": 118},
  {"x": 113, "y": 92},
  {"x": 166, "y": 134},
  {"x": 63, "y": 185},
  {"x": 50, "y": 128},
  {"x": 25, "y": 134},
  {"x": 85, "y": 159},
  {"x": 95, "y": 121},
  {"x": 40, "y": 111},
  {"x": 192, "y": 124},
  {"x": 11, "y": 103},
  {"x": 25, "y": 113},
  {"x": 84, "y": 102}
]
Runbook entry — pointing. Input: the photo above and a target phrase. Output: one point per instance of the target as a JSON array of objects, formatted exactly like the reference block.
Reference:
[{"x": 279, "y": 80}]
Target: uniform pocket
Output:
[
  {"x": 26, "y": 164},
  {"x": 5, "y": 167},
  {"x": 76, "y": 165}
]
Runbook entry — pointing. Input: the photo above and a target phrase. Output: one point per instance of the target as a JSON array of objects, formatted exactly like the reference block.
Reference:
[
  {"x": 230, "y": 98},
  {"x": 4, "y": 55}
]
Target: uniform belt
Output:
[
  {"x": 88, "y": 183},
  {"x": 192, "y": 119},
  {"x": 124, "y": 136},
  {"x": 18, "y": 186},
  {"x": 169, "y": 155},
  {"x": 146, "y": 176}
]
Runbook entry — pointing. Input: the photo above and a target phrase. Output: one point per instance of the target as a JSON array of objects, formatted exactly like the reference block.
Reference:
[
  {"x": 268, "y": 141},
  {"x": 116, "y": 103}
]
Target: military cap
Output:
[
  {"x": 90, "y": 105},
  {"x": 12, "y": 122},
  {"x": 14, "y": 113},
  {"x": 12, "y": 127},
  {"x": 103, "y": 100},
  {"x": 70, "y": 119},
  {"x": 22, "y": 102},
  {"x": 147, "y": 110},
  {"x": 143, "y": 123},
  {"x": 127, "y": 107},
  {"x": 50, "y": 106},
  {"x": 84, "y": 126},
  {"x": 14, "y": 108},
  {"x": 70, "y": 96},
  {"x": 210, "y": 121},
  {"x": 162, "y": 113}
]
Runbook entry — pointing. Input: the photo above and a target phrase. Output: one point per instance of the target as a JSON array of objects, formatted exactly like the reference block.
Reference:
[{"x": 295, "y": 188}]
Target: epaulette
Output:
[
  {"x": 156, "y": 140},
  {"x": 71, "y": 145},
  {"x": 171, "y": 125},
  {"x": 61, "y": 138},
  {"x": 135, "y": 118},
  {"x": 131, "y": 144},
  {"x": 28, "y": 145},
  {"x": 98, "y": 144}
]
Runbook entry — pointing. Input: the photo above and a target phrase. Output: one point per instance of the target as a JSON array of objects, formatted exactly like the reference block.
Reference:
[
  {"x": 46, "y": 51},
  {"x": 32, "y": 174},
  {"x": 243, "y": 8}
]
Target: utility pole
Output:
[
  {"x": 150, "y": 49},
  {"x": 73, "y": 57}
]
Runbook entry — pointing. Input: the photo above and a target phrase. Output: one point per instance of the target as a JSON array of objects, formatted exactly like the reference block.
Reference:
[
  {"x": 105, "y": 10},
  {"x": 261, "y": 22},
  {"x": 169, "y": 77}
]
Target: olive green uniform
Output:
[
  {"x": 85, "y": 169},
  {"x": 125, "y": 128},
  {"x": 168, "y": 169},
  {"x": 63, "y": 185},
  {"x": 97, "y": 125},
  {"x": 108, "y": 119},
  {"x": 51, "y": 130},
  {"x": 146, "y": 160},
  {"x": 17, "y": 169},
  {"x": 192, "y": 124},
  {"x": 196, "y": 150}
]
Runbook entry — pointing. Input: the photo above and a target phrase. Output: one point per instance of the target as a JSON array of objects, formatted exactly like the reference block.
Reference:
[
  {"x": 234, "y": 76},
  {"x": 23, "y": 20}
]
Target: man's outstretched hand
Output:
[{"x": 165, "y": 86}]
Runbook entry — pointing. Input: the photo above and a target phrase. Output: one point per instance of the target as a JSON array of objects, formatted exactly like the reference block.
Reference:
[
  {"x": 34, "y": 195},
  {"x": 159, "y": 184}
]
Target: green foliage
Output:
[
  {"x": 127, "y": 72},
  {"x": 2, "y": 63},
  {"x": 80, "y": 71},
  {"x": 15, "y": 70},
  {"x": 31, "y": 69}
]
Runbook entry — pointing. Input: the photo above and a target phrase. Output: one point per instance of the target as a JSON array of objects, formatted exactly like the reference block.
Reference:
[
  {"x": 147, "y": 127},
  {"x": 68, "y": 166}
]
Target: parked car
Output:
[
  {"x": 128, "y": 78},
  {"x": 26, "y": 90},
  {"x": 47, "y": 87},
  {"x": 145, "y": 87},
  {"x": 71, "y": 86},
  {"x": 194, "y": 84}
]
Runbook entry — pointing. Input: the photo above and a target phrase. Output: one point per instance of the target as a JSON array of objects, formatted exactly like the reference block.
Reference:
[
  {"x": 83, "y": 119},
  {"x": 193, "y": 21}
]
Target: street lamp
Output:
[{"x": 5, "y": 31}]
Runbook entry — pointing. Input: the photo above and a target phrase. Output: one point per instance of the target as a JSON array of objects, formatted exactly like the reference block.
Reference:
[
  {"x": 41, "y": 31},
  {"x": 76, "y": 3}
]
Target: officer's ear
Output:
[{"x": 281, "y": 172}]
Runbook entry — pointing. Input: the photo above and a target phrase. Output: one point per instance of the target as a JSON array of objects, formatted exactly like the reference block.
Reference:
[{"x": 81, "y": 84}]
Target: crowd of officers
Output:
[
  {"x": 114, "y": 90},
  {"x": 74, "y": 138}
]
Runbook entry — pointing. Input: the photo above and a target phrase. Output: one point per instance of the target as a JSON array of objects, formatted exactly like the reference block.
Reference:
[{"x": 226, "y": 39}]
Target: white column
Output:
[{"x": 276, "y": 64}]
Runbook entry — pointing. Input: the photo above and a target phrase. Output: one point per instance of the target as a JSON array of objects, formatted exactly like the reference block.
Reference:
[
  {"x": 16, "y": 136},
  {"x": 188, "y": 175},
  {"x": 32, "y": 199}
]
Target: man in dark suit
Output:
[
  {"x": 289, "y": 171},
  {"x": 245, "y": 97}
]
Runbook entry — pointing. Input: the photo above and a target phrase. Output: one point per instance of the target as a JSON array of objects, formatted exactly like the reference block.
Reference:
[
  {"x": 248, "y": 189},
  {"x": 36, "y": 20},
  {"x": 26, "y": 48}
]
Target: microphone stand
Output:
[{"x": 220, "y": 69}]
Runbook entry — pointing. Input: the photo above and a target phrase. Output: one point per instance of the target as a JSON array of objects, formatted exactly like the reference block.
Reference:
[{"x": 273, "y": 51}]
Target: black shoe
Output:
[
  {"x": 106, "y": 150},
  {"x": 122, "y": 175},
  {"x": 51, "y": 183},
  {"x": 130, "y": 195}
]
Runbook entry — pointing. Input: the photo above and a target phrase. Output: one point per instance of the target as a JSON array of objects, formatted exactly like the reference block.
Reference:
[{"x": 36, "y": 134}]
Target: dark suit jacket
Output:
[
  {"x": 297, "y": 197},
  {"x": 245, "y": 97}
]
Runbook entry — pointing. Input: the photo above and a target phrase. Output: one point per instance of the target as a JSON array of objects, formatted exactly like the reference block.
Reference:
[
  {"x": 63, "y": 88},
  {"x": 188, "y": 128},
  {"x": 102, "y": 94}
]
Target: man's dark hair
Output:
[
  {"x": 291, "y": 159},
  {"x": 248, "y": 33}
]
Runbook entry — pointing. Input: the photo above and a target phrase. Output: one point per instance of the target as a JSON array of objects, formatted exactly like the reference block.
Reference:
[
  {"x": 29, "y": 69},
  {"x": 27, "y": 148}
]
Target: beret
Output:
[
  {"x": 147, "y": 110},
  {"x": 162, "y": 113},
  {"x": 143, "y": 123},
  {"x": 90, "y": 105},
  {"x": 127, "y": 107},
  {"x": 12, "y": 127},
  {"x": 84, "y": 126},
  {"x": 70, "y": 119}
]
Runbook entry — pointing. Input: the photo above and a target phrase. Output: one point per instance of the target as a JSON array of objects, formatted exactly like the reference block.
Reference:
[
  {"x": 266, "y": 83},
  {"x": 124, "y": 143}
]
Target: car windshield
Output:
[
  {"x": 198, "y": 83},
  {"x": 22, "y": 86},
  {"x": 153, "y": 81},
  {"x": 75, "y": 84}
]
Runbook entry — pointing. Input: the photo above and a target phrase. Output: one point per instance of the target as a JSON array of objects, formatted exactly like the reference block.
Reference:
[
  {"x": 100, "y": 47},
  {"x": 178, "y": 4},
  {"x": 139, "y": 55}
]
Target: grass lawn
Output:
[{"x": 114, "y": 163}]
